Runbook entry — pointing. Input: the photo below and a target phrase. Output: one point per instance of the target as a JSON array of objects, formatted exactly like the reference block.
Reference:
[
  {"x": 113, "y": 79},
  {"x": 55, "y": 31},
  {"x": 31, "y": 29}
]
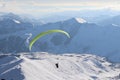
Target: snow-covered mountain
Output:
[
  {"x": 85, "y": 38},
  {"x": 20, "y": 19},
  {"x": 13, "y": 30},
  {"x": 44, "y": 66}
]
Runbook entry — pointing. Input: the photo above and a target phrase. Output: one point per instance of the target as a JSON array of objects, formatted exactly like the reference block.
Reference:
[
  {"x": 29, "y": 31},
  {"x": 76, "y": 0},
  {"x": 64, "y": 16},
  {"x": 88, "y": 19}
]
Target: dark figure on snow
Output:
[{"x": 57, "y": 65}]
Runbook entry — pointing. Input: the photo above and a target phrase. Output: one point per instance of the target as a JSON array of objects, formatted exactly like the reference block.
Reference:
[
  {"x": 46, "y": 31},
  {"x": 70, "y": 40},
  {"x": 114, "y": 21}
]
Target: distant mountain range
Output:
[
  {"x": 93, "y": 16},
  {"x": 102, "y": 39},
  {"x": 111, "y": 21}
]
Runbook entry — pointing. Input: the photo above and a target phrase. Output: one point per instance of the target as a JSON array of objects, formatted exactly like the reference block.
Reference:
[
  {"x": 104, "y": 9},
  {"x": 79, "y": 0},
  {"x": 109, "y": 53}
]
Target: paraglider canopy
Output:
[{"x": 45, "y": 33}]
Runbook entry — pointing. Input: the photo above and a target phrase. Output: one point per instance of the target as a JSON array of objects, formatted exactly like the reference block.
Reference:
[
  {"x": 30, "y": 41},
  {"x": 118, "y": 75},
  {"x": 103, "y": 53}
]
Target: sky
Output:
[{"x": 49, "y": 6}]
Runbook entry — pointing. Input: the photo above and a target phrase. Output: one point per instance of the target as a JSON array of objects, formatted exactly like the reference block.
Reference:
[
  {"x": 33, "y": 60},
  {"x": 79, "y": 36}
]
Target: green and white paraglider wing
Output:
[{"x": 45, "y": 33}]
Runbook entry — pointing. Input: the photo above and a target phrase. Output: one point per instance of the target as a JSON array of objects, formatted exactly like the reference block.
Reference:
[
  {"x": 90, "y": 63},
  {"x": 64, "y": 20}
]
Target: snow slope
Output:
[{"x": 41, "y": 66}]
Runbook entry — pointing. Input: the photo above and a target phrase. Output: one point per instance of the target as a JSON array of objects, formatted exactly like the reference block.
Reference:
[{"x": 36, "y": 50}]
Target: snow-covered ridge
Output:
[
  {"x": 80, "y": 20},
  {"x": 16, "y": 21},
  {"x": 42, "y": 66}
]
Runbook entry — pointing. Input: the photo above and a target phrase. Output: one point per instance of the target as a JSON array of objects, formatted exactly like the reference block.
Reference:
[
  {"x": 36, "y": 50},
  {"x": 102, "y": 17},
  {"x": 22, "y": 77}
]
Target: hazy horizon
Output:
[{"x": 39, "y": 7}]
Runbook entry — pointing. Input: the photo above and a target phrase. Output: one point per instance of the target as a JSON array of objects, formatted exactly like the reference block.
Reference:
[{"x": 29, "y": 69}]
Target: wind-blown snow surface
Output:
[{"x": 41, "y": 66}]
